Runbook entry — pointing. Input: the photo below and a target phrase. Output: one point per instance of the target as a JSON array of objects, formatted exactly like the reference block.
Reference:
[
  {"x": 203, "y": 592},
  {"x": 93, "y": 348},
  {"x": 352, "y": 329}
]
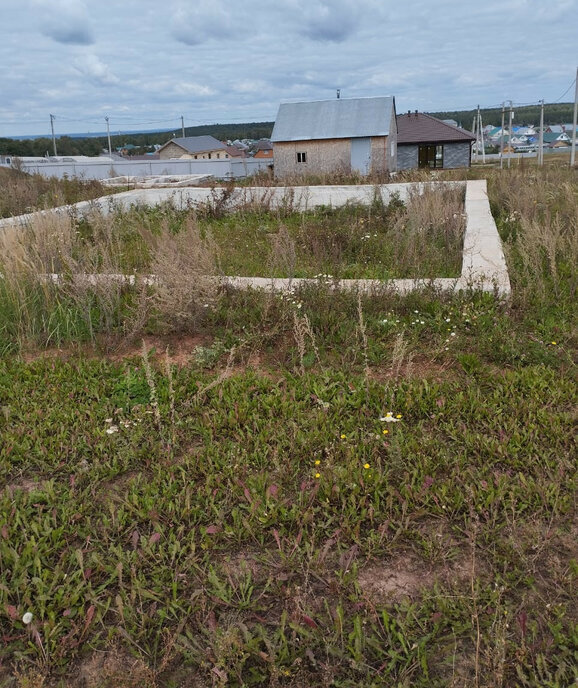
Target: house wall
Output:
[
  {"x": 407, "y": 156},
  {"x": 171, "y": 151},
  {"x": 323, "y": 157},
  {"x": 330, "y": 156},
  {"x": 455, "y": 155}
]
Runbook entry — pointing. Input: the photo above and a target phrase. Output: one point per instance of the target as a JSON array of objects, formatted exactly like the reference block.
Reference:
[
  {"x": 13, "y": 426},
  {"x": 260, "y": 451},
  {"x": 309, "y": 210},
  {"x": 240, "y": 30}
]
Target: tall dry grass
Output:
[
  {"x": 63, "y": 279},
  {"x": 23, "y": 193},
  {"x": 536, "y": 210}
]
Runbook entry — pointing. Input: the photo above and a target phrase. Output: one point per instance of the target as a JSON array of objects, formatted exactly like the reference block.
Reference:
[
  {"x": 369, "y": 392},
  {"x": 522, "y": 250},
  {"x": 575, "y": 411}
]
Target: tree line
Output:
[{"x": 556, "y": 113}]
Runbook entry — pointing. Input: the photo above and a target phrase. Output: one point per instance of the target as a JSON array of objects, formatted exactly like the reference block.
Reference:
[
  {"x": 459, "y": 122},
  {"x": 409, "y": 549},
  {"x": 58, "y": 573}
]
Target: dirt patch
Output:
[
  {"x": 181, "y": 349},
  {"x": 115, "y": 489},
  {"x": 417, "y": 368},
  {"x": 24, "y": 485},
  {"x": 393, "y": 581},
  {"x": 406, "y": 576},
  {"x": 113, "y": 669}
]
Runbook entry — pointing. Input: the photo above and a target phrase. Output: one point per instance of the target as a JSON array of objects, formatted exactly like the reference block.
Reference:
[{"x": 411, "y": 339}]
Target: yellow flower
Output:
[
  {"x": 385, "y": 432},
  {"x": 343, "y": 436},
  {"x": 398, "y": 415},
  {"x": 317, "y": 462},
  {"x": 366, "y": 466},
  {"x": 318, "y": 475},
  {"x": 553, "y": 343}
]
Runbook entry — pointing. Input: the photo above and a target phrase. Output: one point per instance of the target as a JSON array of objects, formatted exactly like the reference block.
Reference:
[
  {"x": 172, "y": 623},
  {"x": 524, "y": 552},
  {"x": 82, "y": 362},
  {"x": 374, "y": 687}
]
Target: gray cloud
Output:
[
  {"x": 206, "y": 20},
  {"x": 65, "y": 21}
]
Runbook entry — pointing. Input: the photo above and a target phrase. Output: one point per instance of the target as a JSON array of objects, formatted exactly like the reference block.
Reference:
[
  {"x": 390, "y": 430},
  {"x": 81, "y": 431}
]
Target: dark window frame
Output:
[
  {"x": 302, "y": 157},
  {"x": 431, "y": 155}
]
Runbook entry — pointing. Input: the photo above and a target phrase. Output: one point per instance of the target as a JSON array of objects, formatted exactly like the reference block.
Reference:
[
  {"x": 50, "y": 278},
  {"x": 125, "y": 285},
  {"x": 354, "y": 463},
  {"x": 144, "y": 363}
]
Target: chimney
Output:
[{"x": 338, "y": 93}]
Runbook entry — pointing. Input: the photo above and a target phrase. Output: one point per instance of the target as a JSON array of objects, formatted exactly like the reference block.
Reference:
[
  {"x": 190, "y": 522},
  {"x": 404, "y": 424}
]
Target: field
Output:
[{"x": 206, "y": 487}]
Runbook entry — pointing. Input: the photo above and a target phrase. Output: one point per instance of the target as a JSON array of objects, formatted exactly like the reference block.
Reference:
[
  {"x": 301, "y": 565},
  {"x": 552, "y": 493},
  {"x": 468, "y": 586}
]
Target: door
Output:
[{"x": 361, "y": 155}]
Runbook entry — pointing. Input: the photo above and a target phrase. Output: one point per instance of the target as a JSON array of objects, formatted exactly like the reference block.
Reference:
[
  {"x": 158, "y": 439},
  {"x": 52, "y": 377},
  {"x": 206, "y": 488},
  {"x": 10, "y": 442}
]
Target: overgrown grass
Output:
[
  {"x": 23, "y": 193},
  {"x": 255, "y": 517}
]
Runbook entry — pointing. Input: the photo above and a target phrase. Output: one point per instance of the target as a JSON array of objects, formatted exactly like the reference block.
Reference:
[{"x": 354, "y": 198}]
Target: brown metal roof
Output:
[{"x": 417, "y": 127}]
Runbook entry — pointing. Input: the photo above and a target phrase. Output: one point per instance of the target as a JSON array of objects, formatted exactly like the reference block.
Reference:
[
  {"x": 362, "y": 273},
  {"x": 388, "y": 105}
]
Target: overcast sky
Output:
[{"x": 144, "y": 63}]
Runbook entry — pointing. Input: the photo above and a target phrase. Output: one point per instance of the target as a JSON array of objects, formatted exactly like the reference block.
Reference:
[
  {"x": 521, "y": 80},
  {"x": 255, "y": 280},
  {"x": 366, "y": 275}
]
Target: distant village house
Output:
[{"x": 194, "y": 148}]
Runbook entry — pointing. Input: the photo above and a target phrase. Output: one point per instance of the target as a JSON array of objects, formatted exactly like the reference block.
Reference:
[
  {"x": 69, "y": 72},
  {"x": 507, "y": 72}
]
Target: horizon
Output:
[{"x": 217, "y": 62}]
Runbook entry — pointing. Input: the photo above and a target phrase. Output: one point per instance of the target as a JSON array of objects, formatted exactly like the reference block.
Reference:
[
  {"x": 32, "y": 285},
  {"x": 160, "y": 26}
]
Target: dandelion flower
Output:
[
  {"x": 27, "y": 618},
  {"x": 343, "y": 436},
  {"x": 317, "y": 462},
  {"x": 553, "y": 343},
  {"x": 385, "y": 432},
  {"x": 318, "y": 475},
  {"x": 366, "y": 466},
  {"x": 398, "y": 416}
]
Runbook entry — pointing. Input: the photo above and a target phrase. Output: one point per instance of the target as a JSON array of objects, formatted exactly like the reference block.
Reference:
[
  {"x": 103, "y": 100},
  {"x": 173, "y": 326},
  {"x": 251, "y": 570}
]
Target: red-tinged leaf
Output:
[
  {"x": 67, "y": 612},
  {"x": 11, "y": 611},
  {"x": 436, "y": 616},
  {"x": 440, "y": 402},
  {"x": 522, "y": 620},
  {"x": 273, "y": 490},
  {"x": 4, "y": 531},
  {"x": 308, "y": 621},
  {"x": 212, "y": 530},
  {"x": 277, "y": 539},
  {"x": 154, "y": 538},
  {"x": 135, "y": 538},
  {"x": 220, "y": 673},
  {"x": 88, "y": 617},
  {"x": 212, "y": 621},
  {"x": 303, "y": 486},
  {"x": 248, "y": 495},
  {"x": 87, "y": 573}
]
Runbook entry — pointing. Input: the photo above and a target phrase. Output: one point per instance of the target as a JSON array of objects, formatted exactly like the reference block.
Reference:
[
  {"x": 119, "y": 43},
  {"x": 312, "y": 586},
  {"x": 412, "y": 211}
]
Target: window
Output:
[
  {"x": 301, "y": 157},
  {"x": 431, "y": 156}
]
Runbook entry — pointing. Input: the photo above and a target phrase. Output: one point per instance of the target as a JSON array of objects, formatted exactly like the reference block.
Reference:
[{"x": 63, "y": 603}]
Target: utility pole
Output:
[
  {"x": 52, "y": 118},
  {"x": 108, "y": 136},
  {"x": 183, "y": 125},
  {"x": 482, "y": 136},
  {"x": 502, "y": 138},
  {"x": 475, "y": 133},
  {"x": 541, "y": 139},
  {"x": 574, "y": 123},
  {"x": 510, "y": 130}
]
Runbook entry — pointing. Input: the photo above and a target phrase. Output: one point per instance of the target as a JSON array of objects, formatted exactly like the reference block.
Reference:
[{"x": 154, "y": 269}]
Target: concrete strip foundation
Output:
[{"x": 483, "y": 264}]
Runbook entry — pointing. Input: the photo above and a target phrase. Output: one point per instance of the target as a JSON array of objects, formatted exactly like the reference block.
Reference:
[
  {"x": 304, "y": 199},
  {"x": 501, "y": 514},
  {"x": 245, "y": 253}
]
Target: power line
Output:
[{"x": 565, "y": 92}]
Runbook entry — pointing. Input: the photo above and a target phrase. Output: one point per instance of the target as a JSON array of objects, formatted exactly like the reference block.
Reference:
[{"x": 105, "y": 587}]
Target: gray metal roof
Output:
[
  {"x": 197, "y": 144},
  {"x": 340, "y": 118}
]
